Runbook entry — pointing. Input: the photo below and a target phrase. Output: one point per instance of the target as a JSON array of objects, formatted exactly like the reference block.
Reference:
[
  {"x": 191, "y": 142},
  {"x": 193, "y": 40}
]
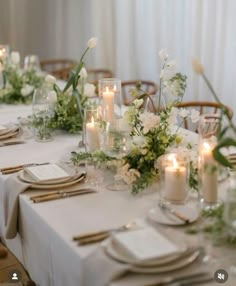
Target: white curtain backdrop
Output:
[{"x": 131, "y": 32}]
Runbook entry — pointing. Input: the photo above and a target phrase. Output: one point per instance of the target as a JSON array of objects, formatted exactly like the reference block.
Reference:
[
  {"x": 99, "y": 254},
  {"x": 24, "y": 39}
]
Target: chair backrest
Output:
[
  {"x": 95, "y": 74},
  {"x": 204, "y": 107},
  {"x": 60, "y": 68},
  {"x": 149, "y": 87}
]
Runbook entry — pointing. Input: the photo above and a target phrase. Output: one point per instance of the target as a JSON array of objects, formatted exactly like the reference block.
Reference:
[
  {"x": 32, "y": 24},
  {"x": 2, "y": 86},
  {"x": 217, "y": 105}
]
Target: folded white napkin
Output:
[{"x": 13, "y": 188}]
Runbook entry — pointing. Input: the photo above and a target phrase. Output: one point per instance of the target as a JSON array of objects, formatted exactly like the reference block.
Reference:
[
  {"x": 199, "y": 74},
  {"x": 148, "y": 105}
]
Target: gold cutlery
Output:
[
  {"x": 100, "y": 235},
  {"x": 177, "y": 214},
  {"x": 17, "y": 168},
  {"x": 194, "y": 277},
  {"x": 62, "y": 195},
  {"x": 8, "y": 143}
]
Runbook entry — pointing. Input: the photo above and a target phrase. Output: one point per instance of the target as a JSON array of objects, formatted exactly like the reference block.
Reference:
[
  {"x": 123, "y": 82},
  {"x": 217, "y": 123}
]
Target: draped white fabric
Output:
[{"x": 131, "y": 32}]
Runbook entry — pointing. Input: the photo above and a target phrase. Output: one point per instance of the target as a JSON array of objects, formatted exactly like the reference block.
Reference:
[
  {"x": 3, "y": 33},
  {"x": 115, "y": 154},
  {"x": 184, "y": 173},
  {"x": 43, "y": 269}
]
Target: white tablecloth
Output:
[{"x": 45, "y": 246}]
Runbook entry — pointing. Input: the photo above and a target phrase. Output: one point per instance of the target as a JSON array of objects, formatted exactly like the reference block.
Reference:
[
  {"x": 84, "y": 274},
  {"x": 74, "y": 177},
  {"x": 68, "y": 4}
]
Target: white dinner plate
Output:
[
  {"x": 165, "y": 217},
  {"x": 76, "y": 179},
  {"x": 178, "y": 264},
  {"x": 11, "y": 133},
  {"x": 26, "y": 177},
  {"x": 119, "y": 254}
]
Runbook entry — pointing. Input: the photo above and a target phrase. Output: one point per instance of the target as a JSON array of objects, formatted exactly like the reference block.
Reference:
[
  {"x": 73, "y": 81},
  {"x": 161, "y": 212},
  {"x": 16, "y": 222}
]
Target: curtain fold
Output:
[{"x": 131, "y": 32}]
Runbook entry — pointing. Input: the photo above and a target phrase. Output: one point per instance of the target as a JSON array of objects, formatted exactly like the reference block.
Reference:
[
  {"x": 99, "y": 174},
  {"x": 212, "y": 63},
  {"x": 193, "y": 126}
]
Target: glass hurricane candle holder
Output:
[
  {"x": 110, "y": 96},
  {"x": 91, "y": 129},
  {"x": 31, "y": 62},
  {"x": 208, "y": 173},
  {"x": 174, "y": 170}
]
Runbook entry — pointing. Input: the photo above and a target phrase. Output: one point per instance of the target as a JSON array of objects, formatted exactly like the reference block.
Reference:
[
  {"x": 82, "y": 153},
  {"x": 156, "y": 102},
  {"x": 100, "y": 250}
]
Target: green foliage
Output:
[
  {"x": 193, "y": 177},
  {"x": 15, "y": 80}
]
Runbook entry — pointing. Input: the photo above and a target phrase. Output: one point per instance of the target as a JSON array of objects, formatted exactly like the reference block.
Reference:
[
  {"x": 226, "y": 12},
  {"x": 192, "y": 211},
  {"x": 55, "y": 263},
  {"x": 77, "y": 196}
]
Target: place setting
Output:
[
  {"x": 55, "y": 180},
  {"x": 148, "y": 251},
  {"x": 10, "y": 134}
]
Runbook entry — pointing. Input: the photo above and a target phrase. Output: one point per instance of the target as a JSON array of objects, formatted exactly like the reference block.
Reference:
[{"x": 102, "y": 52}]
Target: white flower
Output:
[
  {"x": 126, "y": 174},
  {"x": 15, "y": 58},
  {"x": 138, "y": 140},
  {"x": 89, "y": 90},
  {"x": 163, "y": 55},
  {"x": 50, "y": 79},
  {"x": 92, "y": 42},
  {"x": 52, "y": 96},
  {"x": 83, "y": 73},
  {"x": 183, "y": 112},
  {"x": 168, "y": 71},
  {"x": 149, "y": 121},
  {"x": 138, "y": 102},
  {"x": 194, "y": 115},
  {"x": 27, "y": 90},
  {"x": 173, "y": 116}
]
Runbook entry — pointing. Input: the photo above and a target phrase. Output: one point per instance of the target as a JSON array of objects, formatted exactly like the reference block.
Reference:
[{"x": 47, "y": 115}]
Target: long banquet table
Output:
[{"x": 45, "y": 246}]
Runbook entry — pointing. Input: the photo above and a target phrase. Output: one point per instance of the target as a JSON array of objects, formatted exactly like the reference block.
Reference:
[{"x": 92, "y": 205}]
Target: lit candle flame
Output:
[
  {"x": 115, "y": 88},
  {"x": 92, "y": 121},
  {"x": 206, "y": 146},
  {"x": 107, "y": 89},
  {"x": 175, "y": 163}
]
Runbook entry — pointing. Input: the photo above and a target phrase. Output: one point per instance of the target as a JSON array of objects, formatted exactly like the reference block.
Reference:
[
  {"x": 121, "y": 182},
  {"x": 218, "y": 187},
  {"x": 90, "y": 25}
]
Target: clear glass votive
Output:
[
  {"x": 91, "y": 129},
  {"x": 174, "y": 171},
  {"x": 209, "y": 125},
  {"x": 110, "y": 96}
]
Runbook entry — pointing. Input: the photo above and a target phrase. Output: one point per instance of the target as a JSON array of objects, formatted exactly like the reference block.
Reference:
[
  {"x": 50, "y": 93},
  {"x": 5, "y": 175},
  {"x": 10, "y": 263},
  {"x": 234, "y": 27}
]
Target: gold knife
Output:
[
  {"x": 62, "y": 196},
  {"x": 94, "y": 239}
]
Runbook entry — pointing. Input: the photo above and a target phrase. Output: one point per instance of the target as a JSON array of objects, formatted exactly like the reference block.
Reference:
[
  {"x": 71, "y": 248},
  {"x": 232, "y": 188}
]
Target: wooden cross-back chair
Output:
[
  {"x": 149, "y": 87},
  {"x": 60, "y": 68},
  {"x": 204, "y": 107},
  {"x": 95, "y": 74}
]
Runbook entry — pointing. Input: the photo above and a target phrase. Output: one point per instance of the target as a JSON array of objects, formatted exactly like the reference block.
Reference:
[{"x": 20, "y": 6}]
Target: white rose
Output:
[
  {"x": 15, "y": 58},
  {"x": 92, "y": 42},
  {"x": 89, "y": 90},
  {"x": 27, "y": 90},
  {"x": 149, "y": 121},
  {"x": 83, "y": 73},
  {"x": 50, "y": 79},
  {"x": 52, "y": 96},
  {"x": 194, "y": 115},
  {"x": 183, "y": 112},
  {"x": 163, "y": 55}
]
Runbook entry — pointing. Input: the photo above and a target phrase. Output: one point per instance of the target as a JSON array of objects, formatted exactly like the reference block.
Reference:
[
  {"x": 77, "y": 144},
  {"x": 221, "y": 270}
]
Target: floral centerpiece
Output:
[
  {"x": 17, "y": 85},
  {"x": 151, "y": 133},
  {"x": 71, "y": 101}
]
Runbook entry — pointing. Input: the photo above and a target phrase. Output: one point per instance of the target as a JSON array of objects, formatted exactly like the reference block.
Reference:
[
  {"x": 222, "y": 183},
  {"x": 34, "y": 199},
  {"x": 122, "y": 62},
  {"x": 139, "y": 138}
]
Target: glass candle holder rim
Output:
[
  {"x": 167, "y": 159},
  {"x": 109, "y": 79}
]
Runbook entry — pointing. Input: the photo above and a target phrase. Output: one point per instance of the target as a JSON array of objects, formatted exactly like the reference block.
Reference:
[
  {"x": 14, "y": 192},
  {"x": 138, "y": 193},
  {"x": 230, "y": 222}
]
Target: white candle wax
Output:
[
  {"x": 108, "y": 104},
  {"x": 92, "y": 140},
  {"x": 175, "y": 182},
  {"x": 208, "y": 174}
]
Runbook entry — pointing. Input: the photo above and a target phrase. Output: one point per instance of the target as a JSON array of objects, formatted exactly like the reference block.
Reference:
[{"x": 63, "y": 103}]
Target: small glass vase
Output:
[
  {"x": 43, "y": 111},
  {"x": 91, "y": 129}
]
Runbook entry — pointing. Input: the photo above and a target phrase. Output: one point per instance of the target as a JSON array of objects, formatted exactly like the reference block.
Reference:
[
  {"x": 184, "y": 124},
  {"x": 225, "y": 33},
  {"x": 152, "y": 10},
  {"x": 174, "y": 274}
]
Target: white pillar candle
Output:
[
  {"x": 175, "y": 182},
  {"x": 208, "y": 174},
  {"x": 92, "y": 140},
  {"x": 108, "y": 104}
]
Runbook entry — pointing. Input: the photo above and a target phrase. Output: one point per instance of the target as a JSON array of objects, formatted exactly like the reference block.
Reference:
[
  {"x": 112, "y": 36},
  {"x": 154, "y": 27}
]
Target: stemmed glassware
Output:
[
  {"x": 42, "y": 107},
  {"x": 31, "y": 62}
]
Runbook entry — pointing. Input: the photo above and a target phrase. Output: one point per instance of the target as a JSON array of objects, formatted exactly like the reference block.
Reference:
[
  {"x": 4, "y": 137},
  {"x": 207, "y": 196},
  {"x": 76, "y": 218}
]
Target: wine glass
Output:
[
  {"x": 115, "y": 142},
  {"x": 43, "y": 111}
]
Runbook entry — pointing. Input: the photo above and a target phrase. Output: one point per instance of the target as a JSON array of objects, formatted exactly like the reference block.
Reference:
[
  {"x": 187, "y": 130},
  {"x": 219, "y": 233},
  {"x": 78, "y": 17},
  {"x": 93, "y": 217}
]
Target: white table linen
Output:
[{"x": 45, "y": 245}]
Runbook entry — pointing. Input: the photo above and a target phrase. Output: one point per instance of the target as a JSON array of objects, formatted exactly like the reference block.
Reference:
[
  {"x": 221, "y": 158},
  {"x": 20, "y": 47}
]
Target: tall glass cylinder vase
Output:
[
  {"x": 209, "y": 126},
  {"x": 110, "y": 97},
  {"x": 91, "y": 129}
]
